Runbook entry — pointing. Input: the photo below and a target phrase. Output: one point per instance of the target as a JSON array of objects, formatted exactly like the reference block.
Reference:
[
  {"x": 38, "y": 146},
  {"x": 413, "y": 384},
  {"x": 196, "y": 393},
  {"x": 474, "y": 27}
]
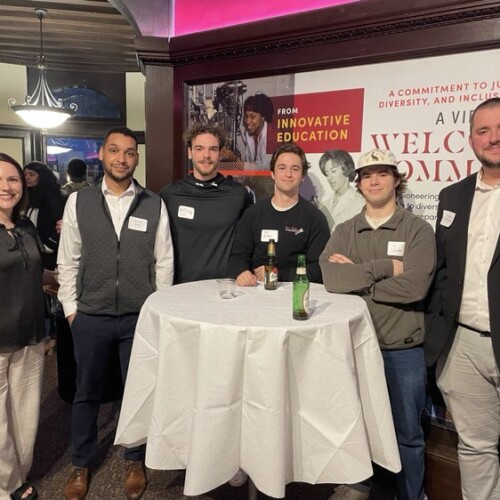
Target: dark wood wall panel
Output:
[
  {"x": 159, "y": 126},
  {"x": 349, "y": 52}
]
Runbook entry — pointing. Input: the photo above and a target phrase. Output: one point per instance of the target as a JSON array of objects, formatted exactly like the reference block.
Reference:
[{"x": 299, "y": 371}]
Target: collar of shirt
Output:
[
  {"x": 482, "y": 186},
  {"x": 391, "y": 223},
  {"x": 130, "y": 191},
  {"x": 118, "y": 204}
]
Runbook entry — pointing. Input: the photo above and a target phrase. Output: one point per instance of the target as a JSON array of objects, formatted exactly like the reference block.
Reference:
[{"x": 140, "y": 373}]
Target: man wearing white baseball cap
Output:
[{"x": 387, "y": 256}]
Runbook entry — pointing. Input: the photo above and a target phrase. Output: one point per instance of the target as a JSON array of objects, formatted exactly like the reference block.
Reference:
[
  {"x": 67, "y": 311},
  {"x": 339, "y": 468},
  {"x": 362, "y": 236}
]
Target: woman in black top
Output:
[
  {"x": 22, "y": 315},
  {"x": 46, "y": 206}
]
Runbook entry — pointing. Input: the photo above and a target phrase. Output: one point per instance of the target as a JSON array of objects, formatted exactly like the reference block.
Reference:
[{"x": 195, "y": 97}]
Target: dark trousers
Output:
[{"x": 95, "y": 338}]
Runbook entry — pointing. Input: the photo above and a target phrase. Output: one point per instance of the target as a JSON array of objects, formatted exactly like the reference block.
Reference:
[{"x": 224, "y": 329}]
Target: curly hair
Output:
[
  {"x": 199, "y": 129},
  {"x": 260, "y": 103}
]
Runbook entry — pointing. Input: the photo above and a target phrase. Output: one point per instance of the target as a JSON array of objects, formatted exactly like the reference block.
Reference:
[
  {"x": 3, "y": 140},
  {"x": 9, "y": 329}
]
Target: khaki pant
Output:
[
  {"x": 21, "y": 374},
  {"x": 470, "y": 383}
]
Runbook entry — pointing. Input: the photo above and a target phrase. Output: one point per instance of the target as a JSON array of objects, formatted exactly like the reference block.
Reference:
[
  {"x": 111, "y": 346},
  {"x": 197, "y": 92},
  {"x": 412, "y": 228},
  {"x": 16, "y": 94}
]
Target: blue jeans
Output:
[{"x": 405, "y": 374}]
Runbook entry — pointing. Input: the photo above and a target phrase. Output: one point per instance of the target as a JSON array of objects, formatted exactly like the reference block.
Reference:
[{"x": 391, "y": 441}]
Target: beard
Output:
[
  {"x": 118, "y": 178},
  {"x": 206, "y": 169},
  {"x": 486, "y": 162}
]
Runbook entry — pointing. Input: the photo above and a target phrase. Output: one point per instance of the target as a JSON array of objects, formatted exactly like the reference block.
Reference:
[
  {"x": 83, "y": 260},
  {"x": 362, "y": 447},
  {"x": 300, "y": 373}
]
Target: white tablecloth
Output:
[{"x": 214, "y": 385}]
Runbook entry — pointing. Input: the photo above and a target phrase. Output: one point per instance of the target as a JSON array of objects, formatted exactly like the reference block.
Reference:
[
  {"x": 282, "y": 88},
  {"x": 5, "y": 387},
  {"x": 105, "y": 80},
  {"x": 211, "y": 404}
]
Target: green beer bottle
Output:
[
  {"x": 301, "y": 290},
  {"x": 270, "y": 268}
]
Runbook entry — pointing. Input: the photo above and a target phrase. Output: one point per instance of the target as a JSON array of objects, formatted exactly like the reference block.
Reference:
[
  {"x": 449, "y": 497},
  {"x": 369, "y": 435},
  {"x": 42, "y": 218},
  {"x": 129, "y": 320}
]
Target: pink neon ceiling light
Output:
[{"x": 192, "y": 16}]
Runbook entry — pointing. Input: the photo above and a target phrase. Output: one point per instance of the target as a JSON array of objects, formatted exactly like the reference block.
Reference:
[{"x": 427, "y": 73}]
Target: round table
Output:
[{"x": 215, "y": 385}]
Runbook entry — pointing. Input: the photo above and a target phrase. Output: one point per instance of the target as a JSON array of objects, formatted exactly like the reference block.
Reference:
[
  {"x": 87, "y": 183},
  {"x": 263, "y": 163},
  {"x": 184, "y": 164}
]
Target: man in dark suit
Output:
[{"x": 463, "y": 332}]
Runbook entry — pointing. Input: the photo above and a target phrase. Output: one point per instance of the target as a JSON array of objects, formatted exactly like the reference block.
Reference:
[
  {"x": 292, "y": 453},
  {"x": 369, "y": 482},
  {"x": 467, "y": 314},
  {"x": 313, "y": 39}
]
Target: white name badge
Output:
[
  {"x": 185, "y": 212},
  {"x": 447, "y": 218},
  {"x": 396, "y": 248},
  {"x": 137, "y": 224},
  {"x": 269, "y": 234}
]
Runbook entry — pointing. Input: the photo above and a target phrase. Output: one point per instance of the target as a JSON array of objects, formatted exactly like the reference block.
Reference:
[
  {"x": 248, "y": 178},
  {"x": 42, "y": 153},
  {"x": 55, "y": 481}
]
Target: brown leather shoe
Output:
[
  {"x": 135, "y": 480},
  {"x": 76, "y": 486}
]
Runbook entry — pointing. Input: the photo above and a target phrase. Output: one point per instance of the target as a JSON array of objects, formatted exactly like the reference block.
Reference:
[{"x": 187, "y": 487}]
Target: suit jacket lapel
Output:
[
  {"x": 496, "y": 255},
  {"x": 464, "y": 208}
]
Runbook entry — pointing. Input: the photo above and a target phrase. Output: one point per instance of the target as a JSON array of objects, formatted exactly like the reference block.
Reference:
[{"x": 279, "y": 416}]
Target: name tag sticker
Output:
[
  {"x": 185, "y": 212},
  {"x": 269, "y": 234},
  {"x": 447, "y": 218},
  {"x": 396, "y": 248},
  {"x": 137, "y": 224}
]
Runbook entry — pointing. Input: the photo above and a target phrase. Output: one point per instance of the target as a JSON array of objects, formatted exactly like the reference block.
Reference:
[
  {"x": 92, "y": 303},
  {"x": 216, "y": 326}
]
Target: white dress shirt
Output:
[
  {"x": 68, "y": 258},
  {"x": 482, "y": 238}
]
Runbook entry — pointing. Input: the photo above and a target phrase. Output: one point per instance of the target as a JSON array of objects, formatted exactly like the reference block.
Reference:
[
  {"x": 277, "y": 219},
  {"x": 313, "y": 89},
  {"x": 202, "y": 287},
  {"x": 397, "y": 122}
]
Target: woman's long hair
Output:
[
  {"x": 47, "y": 188},
  {"x": 22, "y": 205}
]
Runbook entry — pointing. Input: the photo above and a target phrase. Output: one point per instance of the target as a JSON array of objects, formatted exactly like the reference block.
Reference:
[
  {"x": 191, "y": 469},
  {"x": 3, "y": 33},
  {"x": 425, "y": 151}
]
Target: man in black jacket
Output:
[{"x": 463, "y": 321}]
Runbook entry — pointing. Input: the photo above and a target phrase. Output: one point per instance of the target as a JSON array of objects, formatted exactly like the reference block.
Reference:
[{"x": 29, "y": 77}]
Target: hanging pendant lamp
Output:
[{"x": 41, "y": 109}]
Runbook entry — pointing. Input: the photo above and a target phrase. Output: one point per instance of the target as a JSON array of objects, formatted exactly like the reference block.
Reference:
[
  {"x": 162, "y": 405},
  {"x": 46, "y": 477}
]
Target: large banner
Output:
[{"x": 419, "y": 109}]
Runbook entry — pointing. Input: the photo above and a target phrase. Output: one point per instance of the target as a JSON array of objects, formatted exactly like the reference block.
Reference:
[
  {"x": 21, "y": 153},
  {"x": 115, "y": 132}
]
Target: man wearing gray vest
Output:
[{"x": 115, "y": 250}]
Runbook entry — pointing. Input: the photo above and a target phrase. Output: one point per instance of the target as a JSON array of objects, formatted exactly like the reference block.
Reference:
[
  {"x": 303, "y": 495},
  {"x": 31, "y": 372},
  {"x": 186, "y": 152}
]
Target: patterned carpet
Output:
[{"x": 52, "y": 460}]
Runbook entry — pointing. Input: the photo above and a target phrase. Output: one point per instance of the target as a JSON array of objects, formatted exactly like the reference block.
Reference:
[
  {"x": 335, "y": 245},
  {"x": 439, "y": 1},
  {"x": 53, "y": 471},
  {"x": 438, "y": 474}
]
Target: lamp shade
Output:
[
  {"x": 42, "y": 117},
  {"x": 41, "y": 109}
]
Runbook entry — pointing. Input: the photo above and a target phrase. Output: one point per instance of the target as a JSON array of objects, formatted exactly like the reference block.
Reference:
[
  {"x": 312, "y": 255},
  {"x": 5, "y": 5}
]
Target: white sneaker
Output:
[{"x": 239, "y": 479}]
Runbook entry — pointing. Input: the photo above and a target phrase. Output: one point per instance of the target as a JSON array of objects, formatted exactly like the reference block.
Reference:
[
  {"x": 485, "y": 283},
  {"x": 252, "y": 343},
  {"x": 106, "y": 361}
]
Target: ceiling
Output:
[
  {"x": 92, "y": 35},
  {"x": 77, "y": 35}
]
